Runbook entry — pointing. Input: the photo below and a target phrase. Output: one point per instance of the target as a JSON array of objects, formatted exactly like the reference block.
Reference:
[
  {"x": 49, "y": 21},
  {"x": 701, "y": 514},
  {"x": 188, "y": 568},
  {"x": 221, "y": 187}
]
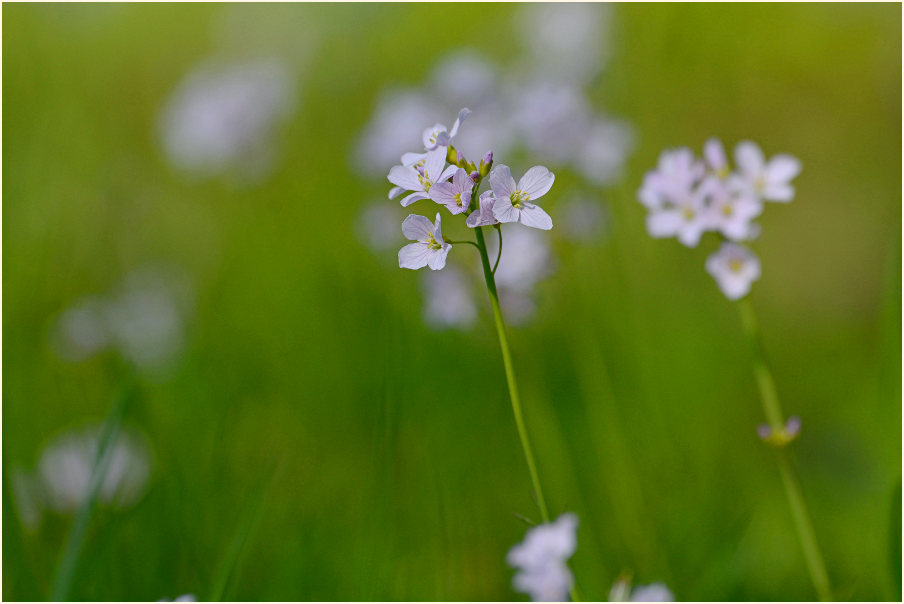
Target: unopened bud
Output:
[
  {"x": 475, "y": 176},
  {"x": 452, "y": 155},
  {"x": 486, "y": 163}
]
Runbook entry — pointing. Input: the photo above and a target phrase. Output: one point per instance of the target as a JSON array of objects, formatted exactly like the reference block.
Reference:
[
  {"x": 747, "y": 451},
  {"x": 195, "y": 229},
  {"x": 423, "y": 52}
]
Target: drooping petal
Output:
[
  {"x": 395, "y": 192},
  {"x": 501, "y": 181},
  {"x": 536, "y": 182},
  {"x": 437, "y": 229},
  {"x": 462, "y": 116},
  {"x": 416, "y": 227},
  {"x": 414, "y": 256},
  {"x": 405, "y": 177},
  {"x": 417, "y": 196},
  {"x": 535, "y": 217},
  {"x": 749, "y": 158},
  {"x": 782, "y": 168}
]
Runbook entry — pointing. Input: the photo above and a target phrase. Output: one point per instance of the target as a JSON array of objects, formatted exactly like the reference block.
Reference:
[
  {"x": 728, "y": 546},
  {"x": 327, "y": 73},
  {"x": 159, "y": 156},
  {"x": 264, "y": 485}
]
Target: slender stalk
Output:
[
  {"x": 510, "y": 373},
  {"x": 772, "y": 408},
  {"x": 498, "y": 254},
  {"x": 76, "y": 537}
]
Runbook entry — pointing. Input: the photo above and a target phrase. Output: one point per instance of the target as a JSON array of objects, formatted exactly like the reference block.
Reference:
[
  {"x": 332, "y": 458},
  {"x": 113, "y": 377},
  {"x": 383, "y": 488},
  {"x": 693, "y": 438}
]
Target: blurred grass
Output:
[{"x": 402, "y": 468}]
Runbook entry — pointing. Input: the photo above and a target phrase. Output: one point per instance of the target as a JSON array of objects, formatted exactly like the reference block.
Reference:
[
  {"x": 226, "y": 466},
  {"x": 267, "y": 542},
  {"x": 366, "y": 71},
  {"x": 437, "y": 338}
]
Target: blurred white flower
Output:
[
  {"x": 449, "y": 299},
  {"x": 540, "y": 560},
  {"x": 526, "y": 259},
  {"x": 716, "y": 160},
  {"x": 552, "y": 120},
  {"x": 604, "y": 150},
  {"x": 770, "y": 180},
  {"x": 395, "y": 127},
  {"x": 672, "y": 181},
  {"x": 183, "y": 598},
  {"x": 516, "y": 203},
  {"x": 564, "y": 41},
  {"x": 730, "y": 214},
  {"x": 143, "y": 318},
  {"x": 655, "y": 592},
  {"x": 66, "y": 463},
  {"x": 429, "y": 248},
  {"x": 735, "y": 268},
  {"x": 463, "y": 78},
  {"x": 222, "y": 117},
  {"x": 687, "y": 218}
]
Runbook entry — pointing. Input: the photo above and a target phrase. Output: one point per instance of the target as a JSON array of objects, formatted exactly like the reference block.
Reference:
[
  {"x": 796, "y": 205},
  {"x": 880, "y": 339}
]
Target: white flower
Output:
[
  {"x": 734, "y": 267},
  {"x": 483, "y": 215},
  {"x": 67, "y": 462},
  {"x": 583, "y": 218},
  {"x": 686, "y": 218},
  {"x": 183, "y": 598},
  {"x": 673, "y": 179},
  {"x": 655, "y": 592},
  {"x": 449, "y": 300},
  {"x": 430, "y": 249},
  {"x": 770, "y": 180},
  {"x": 455, "y": 195},
  {"x": 419, "y": 178},
  {"x": 540, "y": 560},
  {"x": 603, "y": 151},
  {"x": 730, "y": 213},
  {"x": 378, "y": 226},
  {"x": 515, "y": 203},
  {"x": 716, "y": 160},
  {"x": 222, "y": 117},
  {"x": 397, "y": 121},
  {"x": 438, "y": 136}
]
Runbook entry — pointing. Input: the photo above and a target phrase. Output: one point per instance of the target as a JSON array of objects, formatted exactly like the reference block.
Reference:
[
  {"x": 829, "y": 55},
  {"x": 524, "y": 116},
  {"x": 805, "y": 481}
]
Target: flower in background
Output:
[
  {"x": 541, "y": 560},
  {"x": 526, "y": 260},
  {"x": 770, "y": 181},
  {"x": 64, "y": 469},
  {"x": 222, "y": 118},
  {"x": 686, "y": 196},
  {"x": 655, "y": 592},
  {"x": 449, "y": 299},
  {"x": 378, "y": 226},
  {"x": 515, "y": 203},
  {"x": 735, "y": 268},
  {"x": 429, "y": 250},
  {"x": 582, "y": 218},
  {"x": 144, "y": 319},
  {"x": 183, "y": 598}
]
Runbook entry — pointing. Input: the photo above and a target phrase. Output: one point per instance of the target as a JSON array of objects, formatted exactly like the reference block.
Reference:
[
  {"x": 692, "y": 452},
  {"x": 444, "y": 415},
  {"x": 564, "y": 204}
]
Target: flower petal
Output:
[
  {"x": 534, "y": 216},
  {"x": 437, "y": 229},
  {"x": 437, "y": 258},
  {"x": 409, "y": 159},
  {"x": 749, "y": 158},
  {"x": 778, "y": 192},
  {"x": 405, "y": 177},
  {"x": 664, "y": 223},
  {"x": 462, "y": 116},
  {"x": 416, "y": 196},
  {"x": 501, "y": 181},
  {"x": 536, "y": 182},
  {"x": 414, "y": 256},
  {"x": 395, "y": 192},
  {"x": 443, "y": 192},
  {"x": 782, "y": 168},
  {"x": 433, "y": 164},
  {"x": 504, "y": 211},
  {"x": 430, "y": 136},
  {"x": 416, "y": 227}
]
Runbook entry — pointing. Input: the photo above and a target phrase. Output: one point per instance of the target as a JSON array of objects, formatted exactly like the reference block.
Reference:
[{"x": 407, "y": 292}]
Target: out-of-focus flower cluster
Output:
[
  {"x": 143, "y": 318},
  {"x": 533, "y": 108},
  {"x": 221, "y": 120},
  {"x": 62, "y": 477},
  {"x": 541, "y": 560},
  {"x": 655, "y": 592},
  {"x": 687, "y": 196}
]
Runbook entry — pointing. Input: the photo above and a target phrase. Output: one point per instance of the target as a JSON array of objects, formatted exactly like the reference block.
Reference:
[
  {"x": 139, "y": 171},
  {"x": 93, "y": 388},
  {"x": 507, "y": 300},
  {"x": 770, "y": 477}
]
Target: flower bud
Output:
[
  {"x": 486, "y": 163},
  {"x": 452, "y": 155},
  {"x": 475, "y": 176}
]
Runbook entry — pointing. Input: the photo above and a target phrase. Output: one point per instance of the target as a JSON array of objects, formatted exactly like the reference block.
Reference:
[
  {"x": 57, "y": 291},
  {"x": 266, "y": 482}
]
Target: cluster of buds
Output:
[
  {"x": 687, "y": 197},
  {"x": 426, "y": 176}
]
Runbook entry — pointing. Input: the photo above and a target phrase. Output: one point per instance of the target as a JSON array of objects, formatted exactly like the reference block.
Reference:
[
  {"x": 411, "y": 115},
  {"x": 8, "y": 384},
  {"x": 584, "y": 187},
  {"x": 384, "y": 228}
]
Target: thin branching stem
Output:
[{"x": 499, "y": 253}]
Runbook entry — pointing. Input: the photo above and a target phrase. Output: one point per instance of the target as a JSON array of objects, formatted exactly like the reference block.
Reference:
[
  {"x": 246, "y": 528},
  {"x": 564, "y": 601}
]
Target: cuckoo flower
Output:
[
  {"x": 419, "y": 178},
  {"x": 731, "y": 214},
  {"x": 515, "y": 203},
  {"x": 438, "y": 136},
  {"x": 770, "y": 180},
  {"x": 455, "y": 195},
  {"x": 483, "y": 216},
  {"x": 429, "y": 248},
  {"x": 540, "y": 560},
  {"x": 734, "y": 267}
]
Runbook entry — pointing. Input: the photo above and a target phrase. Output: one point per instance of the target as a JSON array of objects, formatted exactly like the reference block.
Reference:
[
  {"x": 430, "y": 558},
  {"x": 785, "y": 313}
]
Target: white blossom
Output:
[
  {"x": 541, "y": 560},
  {"x": 516, "y": 203},
  {"x": 455, "y": 195},
  {"x": 449, "y": 299},
  {"x": 420, "y": 177},
  {"x": 735, "y": 268},
  {"x": 483, "y": 215},
  {"x": 429, "y": 250},
  {"x": 770, "y": 181}
]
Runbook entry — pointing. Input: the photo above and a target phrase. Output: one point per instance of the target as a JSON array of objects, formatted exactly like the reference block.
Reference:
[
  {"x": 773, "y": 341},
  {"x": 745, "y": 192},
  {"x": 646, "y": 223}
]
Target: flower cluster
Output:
[
  {"x": 425, "y": 176},
  {"x": 655, "y": 592},
  {"x": 540, "y": 560},
  {"x": 687, "y": 196}
]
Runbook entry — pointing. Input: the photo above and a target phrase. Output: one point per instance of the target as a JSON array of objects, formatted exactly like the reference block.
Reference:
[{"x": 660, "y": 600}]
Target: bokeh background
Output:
[{"x": 305, "y": 430}]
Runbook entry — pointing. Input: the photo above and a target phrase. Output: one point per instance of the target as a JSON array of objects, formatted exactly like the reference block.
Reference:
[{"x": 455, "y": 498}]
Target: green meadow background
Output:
[{"x": 366, "y": 457}]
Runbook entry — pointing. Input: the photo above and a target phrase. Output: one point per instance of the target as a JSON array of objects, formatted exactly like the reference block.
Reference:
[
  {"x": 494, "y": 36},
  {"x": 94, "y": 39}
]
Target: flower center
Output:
[
  {"x": 735, "y": 265},
  {"x": 518, "y": 197},
  {"x": 458, "y": 199},
  {"x": 424, "y": 179},
  {"x": 727, "y": 210},
  {"x": 760, "y": 184},
  {"x": 432, "y": 243},
  {"x": 687, "y": 213}
]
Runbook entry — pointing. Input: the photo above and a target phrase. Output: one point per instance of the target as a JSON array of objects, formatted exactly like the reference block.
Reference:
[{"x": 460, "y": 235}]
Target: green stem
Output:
[
  {"x": 499, "y": 254},
  {"x": 76, "y": 538},
  {"x": 510, "y": 373},
  {"x": 772, "y": 408}
]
